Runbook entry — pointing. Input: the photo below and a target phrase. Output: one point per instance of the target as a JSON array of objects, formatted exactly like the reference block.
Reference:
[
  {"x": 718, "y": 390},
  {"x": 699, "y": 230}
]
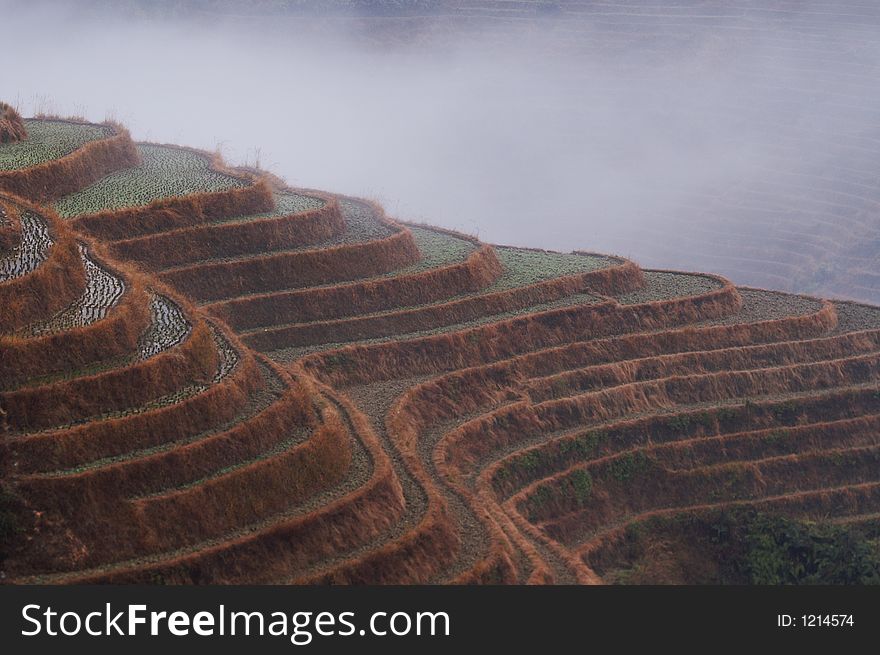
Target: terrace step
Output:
[
  {"x": 771, "y": 479},
  {"x": 524, "y": 286},
  {"x": 317, "y": 527},
  {"x": 41, "y": 272},
  {"x": 361, "y": 222},
  {"x": 374, "y": 246},
  {"x": 151, "y": 429},
  {"x": 62, "y": 156},
  {"x": 449, "y": 265},
  {"x": 520, "y": 335},
  {"x": 103, "y": 291},
  {"x": 537, "y": 454},
  {"x": 298, "y": 220},
  {"x": 675, "y": 458},
  {"x": 815, "y": 504},
  {"x": 171, "y": 188},
  {"x": 170, "y": 355},
  {"x": 748, "y": 358},
  {"x": 48, "y": 140}
]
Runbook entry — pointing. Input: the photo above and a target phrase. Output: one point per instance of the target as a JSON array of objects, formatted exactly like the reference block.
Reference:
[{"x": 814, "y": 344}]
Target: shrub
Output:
[
  {"x": 11, "y": 125},
  {"x": 583, "y": 445},
  {"x": 679, "y": 423},
  {"x": 582, "y": 484},
  {"x": 786, "y": 412},
  {"x": 782, "y": 551},
  {"x": 628, "y": 466},
  {"x": 764, "y": 549}
]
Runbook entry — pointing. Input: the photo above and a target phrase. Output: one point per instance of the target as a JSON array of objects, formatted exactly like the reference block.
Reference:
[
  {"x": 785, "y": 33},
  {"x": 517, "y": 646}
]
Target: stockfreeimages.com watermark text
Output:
[{"x": 300, "y": 627}]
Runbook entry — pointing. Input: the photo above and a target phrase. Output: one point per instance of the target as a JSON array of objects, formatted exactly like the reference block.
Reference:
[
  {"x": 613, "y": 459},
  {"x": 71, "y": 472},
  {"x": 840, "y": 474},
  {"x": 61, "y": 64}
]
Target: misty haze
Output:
[{"x": 550, "y": 136}]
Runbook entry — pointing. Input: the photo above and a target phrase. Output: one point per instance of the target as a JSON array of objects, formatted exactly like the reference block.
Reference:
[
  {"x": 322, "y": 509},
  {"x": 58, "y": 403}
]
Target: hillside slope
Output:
[{"x": 208, "y": 376}]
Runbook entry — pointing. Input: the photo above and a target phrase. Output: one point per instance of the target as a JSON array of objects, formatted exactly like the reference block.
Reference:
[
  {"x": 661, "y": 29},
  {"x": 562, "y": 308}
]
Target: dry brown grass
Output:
[
  {"x": 480, "y": 269},
  {"x": 52, "y": 286},
  {"x": 181, "y": 211},
  {"x": 84, "y": 166},
  {"x": 620, "y": 278},
  {"x": 11, "y": 124},
  {"x": 369, "y": 363},
  {"x": 306, "y": 268},
  {"x": 179, "y": 247},
  {"x": 60, "y": 449}
]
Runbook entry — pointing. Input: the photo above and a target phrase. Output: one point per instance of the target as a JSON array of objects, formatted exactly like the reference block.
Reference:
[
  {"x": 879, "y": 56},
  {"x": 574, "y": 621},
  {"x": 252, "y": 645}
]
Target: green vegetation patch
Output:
[
  {"x": 663, "y": 285},
  {"x": 528, "y": 466},
  {"x": 165, "y": 172},
  {"x": 628, "y": 466},
  {"x": 286, "y": 203},
  {"x": 744, "y": 546},
  {"x": 48, "y": 140},
  {"x": 573, "y": 490},
  {"x": 783, "y": 551},
  {"x": 523, "y": 267},
  {"x": 759, "y": 305},
  {"x": 438, "y": 249}
]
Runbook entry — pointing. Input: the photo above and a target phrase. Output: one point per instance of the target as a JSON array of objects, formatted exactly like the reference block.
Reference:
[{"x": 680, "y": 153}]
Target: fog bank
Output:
[{"x": 517, "y": 138}]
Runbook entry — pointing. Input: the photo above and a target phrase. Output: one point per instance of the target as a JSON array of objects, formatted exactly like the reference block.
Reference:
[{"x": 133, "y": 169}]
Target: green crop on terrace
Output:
[
  {"x": 361, "y": 224},
  {"x": 662, "y": 285},
  {"x": 523, "y": 267},
  {"x": 48, "y": 140},
  {"x": 286, "y": 203},
  {"x": 760, "y": 305},
  {"x": 438, "y": 249},
  {"x": 164, "y": 172}
]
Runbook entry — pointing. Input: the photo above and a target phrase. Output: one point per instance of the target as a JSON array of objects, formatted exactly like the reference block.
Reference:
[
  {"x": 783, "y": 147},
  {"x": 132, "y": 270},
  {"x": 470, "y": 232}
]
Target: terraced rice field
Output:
[
  {"x": 48, "y": 140},
  {"x": 103, "y": 291},
  {"x": 30, "y": 251},
  {"x": 286, "y": 203},
  {"x": 236, "y": 381},
  {"x": 521, "y": 268},
  {"x": 166, "y": 171}
]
